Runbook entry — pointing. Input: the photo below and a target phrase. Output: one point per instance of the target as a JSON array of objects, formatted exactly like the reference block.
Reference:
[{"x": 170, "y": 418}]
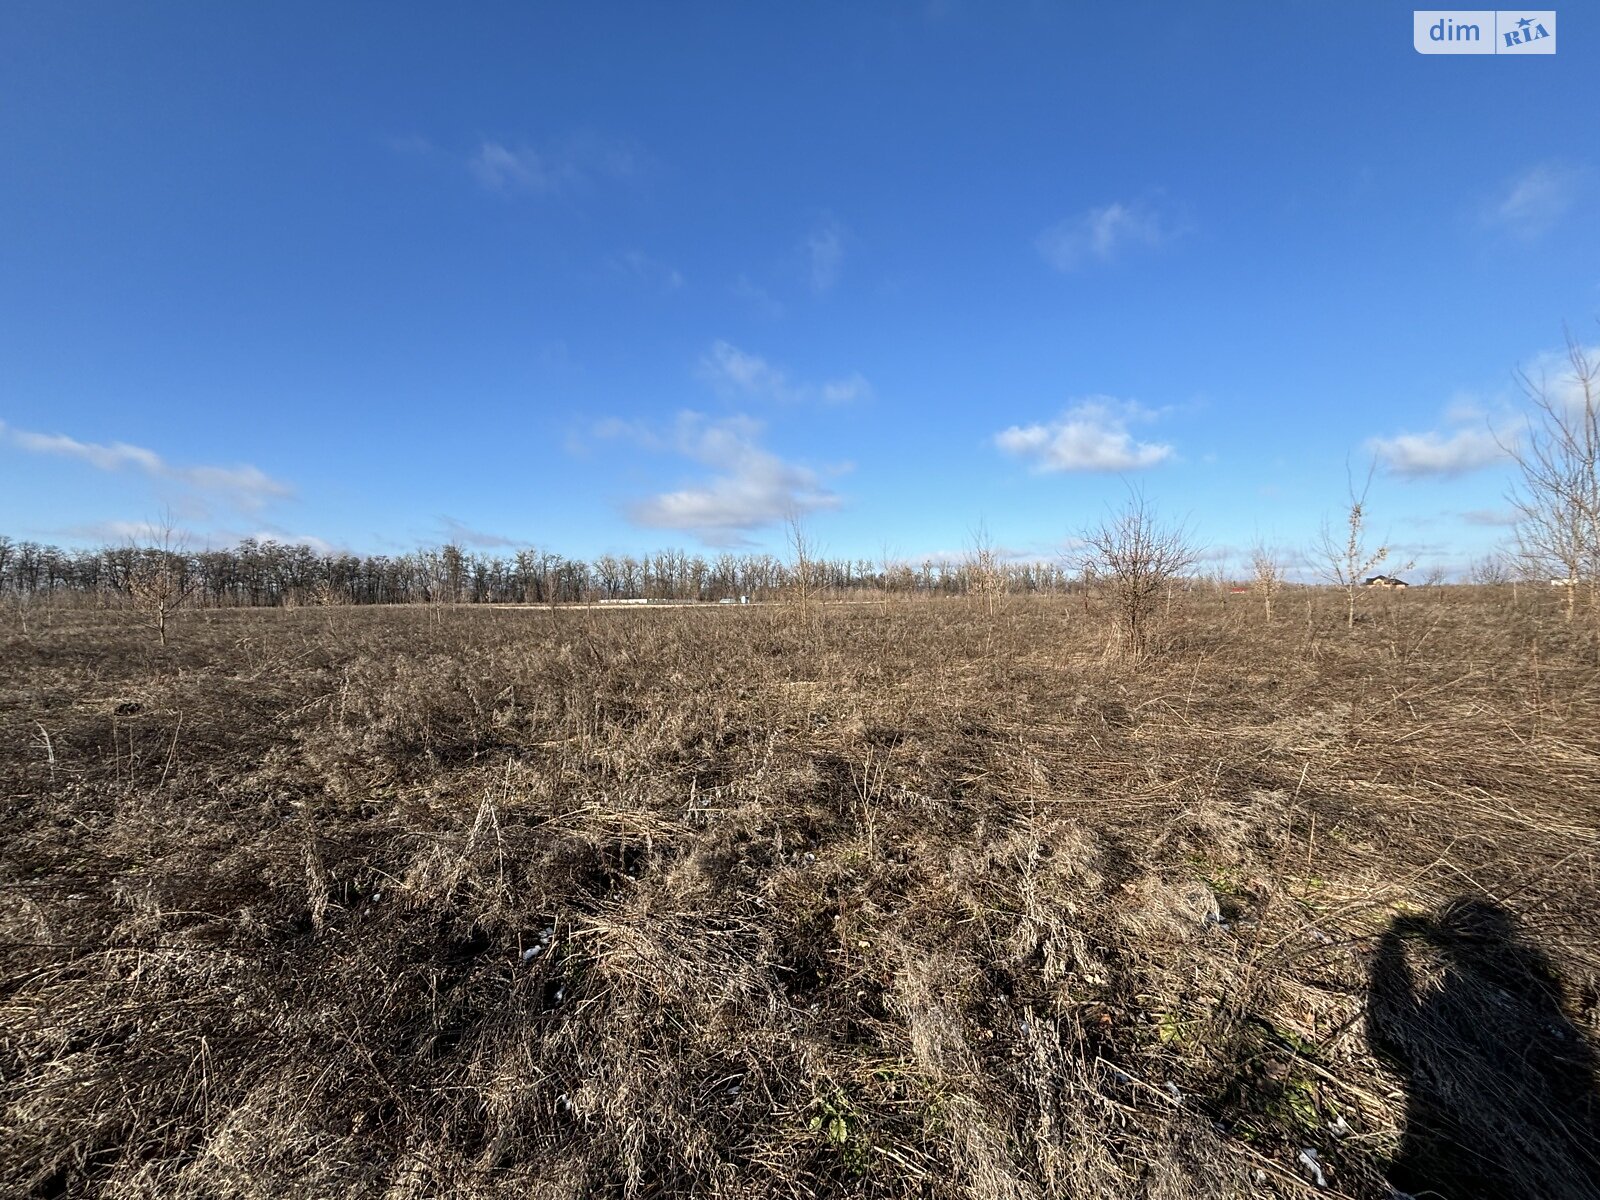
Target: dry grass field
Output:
[{"x": 896, "y": 899}]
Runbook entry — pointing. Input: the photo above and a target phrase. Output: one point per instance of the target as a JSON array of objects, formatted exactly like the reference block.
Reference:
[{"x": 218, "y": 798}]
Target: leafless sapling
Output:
[
  {"x": 1268, "y": 575},
  {"x": 1557, "y": 497},
  {"x": 803, "y": 573},
  {"x": 1345, "y": 563},
  {"x": 1139, "y": 556},
  {"x": 160, "y": 581},
  {"x": 986, "y": 579}
]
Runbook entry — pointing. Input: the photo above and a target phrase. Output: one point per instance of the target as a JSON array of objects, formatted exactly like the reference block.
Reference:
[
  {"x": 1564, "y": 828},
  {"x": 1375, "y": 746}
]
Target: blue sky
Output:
[{"x": 614, "y": 277}]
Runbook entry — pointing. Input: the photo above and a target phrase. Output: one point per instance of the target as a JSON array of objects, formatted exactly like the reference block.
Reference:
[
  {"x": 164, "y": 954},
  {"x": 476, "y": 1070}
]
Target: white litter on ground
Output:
[{"x": 1308, "y": 1159}]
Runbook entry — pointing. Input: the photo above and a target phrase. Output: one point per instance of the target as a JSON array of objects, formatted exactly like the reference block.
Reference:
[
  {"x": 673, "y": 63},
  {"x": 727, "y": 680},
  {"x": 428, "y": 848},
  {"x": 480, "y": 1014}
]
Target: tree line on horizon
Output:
[
  {"x": 256, "y": 573},
  {"x": 1556, "y": 500}
]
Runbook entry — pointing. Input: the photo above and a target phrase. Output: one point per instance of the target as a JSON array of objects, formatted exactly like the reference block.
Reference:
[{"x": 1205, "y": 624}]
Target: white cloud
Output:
[
  {"x": 1484, "y": 431},
  {"x": 1092, "y": 435},
  {"x": 736, "y": 372},
  {"x": 728, "y": 365},
  {"x": 107, "y": 458},
  {"x": 243, "y": 486},
  {"x": 1553, "y": 375},
  {"x": 825, "y": 254},
  {"x": 1537, "y": 199},
  {"x": 748, "y": 488},
  {"x": 1421, "y": 455},
  {"x": 1489, "y": 516},
  {"x": 274, "y": 534},
  {"x": 574, "y": 165},
  {"x": 247, "y": 485},
  {"x": 1101, "y": 234}
]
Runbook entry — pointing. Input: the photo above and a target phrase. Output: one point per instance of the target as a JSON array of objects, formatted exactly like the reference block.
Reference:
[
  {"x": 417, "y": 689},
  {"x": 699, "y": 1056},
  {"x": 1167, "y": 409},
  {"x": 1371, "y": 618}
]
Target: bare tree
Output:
[
  {"x": 985, "y": 573},
  {"x": 1139, "y": 556},
  {"x": 453, "y": 568},
  {"x": 897, "y": 573},
  {"x": 1086, "y": 578},
  {"x": 1345, "y": 564},
  {"x": 1218, "y": 580},
  {"x": 804, "y": 572},
  {"x": 1492, "y": 569},
  {"x": 1558, "y": 498},
  {"x": 160, "y": 581},
  {"x": 1268, "y": 574}
]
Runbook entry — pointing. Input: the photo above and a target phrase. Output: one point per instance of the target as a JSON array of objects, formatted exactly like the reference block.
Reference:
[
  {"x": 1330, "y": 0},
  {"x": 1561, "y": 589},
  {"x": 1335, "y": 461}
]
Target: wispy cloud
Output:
[
  {"x": 571, "y": 166},
  {"x": 1092, "y": 435},
  {"x": 825, "y": 254},
  {"x": 842, "y": 391},
  {"x": 645, "y": 271},
  {"x": 147, "y": 532},
  {"x": 736, "y": 372},
  {"x": 1102, "y": 234},
  {"x": 748, "y": 487},
  {"x": 1489, "y": 516},
  {"x": 116, "y": 532},
  {"x": 1535, "y": 201},
  {"x": 243, "y": 486},
  {"x": 640, "y": 433},
  {"x": 1018, "y": 555},
  {"x": 464, "y": 535},
  {"x": 756, "y": 297},
  {"x": 1434, "y": 454},
  {"x": 502, "y": 169}
]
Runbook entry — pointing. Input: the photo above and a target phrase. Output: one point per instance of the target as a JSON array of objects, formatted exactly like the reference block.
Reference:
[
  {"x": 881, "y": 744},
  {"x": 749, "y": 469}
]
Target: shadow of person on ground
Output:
[{"x": 1501, "y": 1086}]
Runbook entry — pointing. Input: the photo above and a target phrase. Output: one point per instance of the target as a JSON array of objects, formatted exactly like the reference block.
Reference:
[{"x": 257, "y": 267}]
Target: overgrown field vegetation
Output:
[{"x": 935, "y": 898}]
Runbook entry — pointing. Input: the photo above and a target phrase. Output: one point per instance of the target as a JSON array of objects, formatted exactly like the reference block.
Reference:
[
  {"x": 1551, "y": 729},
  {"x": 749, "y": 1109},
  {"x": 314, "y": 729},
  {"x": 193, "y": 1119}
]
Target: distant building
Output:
[{"x": 1386, "y": 581}]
